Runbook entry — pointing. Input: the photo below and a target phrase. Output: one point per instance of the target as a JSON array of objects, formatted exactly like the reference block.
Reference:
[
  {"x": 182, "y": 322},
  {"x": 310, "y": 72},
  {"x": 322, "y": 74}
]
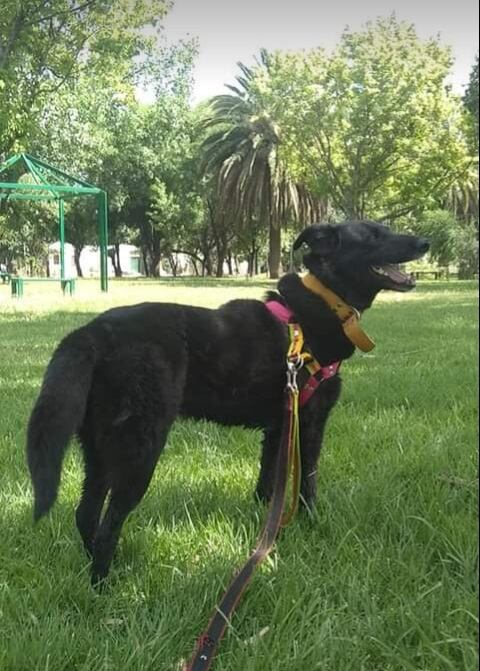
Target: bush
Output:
[
  {"x": 452, "y": 241},
  {"x": 466, "y": 250}
]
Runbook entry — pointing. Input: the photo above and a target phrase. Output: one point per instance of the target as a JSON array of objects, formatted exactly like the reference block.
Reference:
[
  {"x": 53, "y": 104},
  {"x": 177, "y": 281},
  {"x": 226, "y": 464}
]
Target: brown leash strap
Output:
[{"x": 204, "y": 654}]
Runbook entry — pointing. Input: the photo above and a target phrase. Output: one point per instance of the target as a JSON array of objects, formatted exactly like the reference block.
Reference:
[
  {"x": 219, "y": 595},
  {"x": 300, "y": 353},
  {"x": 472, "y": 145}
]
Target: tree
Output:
[
  {"x": 470, "y": 100},
  {"x": 440, "y": 227},
  {"x": 94, "y": 127},
  {"x": 462, "y": 196},
  {"x": 44, "y": 44},
  {"x": 373, "y": 126},
  {"x": 243, "y": 153},
  {"x": 452, "y": 240}
]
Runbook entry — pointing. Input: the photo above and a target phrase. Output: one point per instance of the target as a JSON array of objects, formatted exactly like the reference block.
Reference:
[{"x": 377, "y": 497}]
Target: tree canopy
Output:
[
  {"x": 371, "y": 126},
  {"x": 43, "y": 45},
  {"x": 370, "y": 129}
]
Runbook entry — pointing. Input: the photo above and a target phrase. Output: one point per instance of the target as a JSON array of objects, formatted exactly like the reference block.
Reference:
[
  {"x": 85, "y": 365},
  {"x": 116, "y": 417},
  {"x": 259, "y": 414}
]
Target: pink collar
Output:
[{"x": 280, "y": 311}]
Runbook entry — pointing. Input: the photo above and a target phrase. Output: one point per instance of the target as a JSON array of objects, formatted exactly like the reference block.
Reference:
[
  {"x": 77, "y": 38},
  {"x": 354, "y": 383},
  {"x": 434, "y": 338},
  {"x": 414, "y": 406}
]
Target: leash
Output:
[
  {"x": 288, "y": 466},
  {"x": 288, "y": 463}
]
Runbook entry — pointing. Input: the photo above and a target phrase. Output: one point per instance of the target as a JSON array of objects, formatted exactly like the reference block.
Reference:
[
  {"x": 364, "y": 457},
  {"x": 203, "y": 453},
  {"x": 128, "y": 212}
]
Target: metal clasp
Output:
[{"x": 293, "y": 366}]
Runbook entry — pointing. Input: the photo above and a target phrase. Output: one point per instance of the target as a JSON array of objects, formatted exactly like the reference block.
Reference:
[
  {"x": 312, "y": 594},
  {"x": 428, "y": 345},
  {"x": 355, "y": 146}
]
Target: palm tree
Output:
[
  {"x": 462, "y": 198},
  {"x": 242, "y": 152}
]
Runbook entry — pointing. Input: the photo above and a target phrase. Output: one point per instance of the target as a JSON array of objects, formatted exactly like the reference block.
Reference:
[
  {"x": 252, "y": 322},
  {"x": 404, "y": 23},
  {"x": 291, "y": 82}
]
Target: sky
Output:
[{"x": 235, "y": 30}]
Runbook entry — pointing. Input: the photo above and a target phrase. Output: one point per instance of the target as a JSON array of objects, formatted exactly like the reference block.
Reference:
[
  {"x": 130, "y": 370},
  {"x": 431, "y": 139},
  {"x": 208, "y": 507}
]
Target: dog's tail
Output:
[{"x": 58, "y": 413}]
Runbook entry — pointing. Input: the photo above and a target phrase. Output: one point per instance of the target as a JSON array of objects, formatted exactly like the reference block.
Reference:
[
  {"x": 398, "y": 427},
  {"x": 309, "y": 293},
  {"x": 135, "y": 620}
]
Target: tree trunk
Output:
[
  {"x": 275, "y": 250},
  {"x": 220, "y": 261},
  {"x": 173, "y": 264},
  {"x": 467, "y": 270},
  {"x": 208, "y": 265},
  {"x": 195, "y": 267},
  {"x": 152, "y": 262},
  {"x": 155, "y": 264},
  {"x": 146, "y": 267},
  {"x": 230, "y": 264},
  {"x": 77, "y": 250},
  {"x": 117, "y": 265},
  {"x": 114, "y": 255}
]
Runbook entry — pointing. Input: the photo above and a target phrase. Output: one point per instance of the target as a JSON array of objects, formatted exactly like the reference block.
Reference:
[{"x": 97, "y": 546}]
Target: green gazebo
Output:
[{"x": 33, "y": 179}]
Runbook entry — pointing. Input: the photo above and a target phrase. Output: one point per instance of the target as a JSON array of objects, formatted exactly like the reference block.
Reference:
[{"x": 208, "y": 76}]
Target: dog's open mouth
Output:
[{"x": 394, "y": 278}]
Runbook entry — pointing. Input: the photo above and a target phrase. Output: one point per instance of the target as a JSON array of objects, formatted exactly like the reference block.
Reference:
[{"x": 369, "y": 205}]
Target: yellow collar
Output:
[{"x": 350, "y": 317}]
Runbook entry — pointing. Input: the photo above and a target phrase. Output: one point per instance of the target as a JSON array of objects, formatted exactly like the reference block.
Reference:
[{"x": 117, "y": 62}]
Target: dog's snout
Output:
[{"x": 423, "y": 245}]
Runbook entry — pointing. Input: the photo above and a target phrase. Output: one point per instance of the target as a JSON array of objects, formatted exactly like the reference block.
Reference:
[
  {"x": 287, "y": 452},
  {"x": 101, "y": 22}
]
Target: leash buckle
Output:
[{"x": 294, "y": 364}]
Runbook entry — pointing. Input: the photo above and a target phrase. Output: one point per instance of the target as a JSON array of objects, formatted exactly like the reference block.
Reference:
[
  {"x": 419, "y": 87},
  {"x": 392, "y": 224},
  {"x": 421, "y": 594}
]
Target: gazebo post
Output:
[
  {"x": 61, "y": 222},
  {"x": 103, "y": 236}
]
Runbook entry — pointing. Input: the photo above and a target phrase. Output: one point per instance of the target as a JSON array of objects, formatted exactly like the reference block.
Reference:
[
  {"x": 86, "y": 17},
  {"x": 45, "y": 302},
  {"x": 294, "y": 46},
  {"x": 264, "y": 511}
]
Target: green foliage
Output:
[
  {"x": 43, "y": 45},
  {"x": 94, "y": 127},
  {"x": 453, "y": 241},
  {"x": 470, "y": 100},
  {"x": 467, "y": 250},
  {"x": 373, "y": 125},
  {"x": 26, "y": 232},
  {"x": 462, "y": 196},
  {"x": 370, "y": 130},
  {"x": 440, "y": 227}
]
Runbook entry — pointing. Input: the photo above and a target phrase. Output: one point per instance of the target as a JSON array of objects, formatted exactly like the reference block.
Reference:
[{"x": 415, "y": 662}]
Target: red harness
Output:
[{"x": 318, "y": 373}]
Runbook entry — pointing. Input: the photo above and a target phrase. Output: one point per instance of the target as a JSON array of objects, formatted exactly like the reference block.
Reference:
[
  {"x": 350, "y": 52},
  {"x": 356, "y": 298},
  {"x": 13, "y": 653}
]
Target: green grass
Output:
[{"x": 382, "y": 578}]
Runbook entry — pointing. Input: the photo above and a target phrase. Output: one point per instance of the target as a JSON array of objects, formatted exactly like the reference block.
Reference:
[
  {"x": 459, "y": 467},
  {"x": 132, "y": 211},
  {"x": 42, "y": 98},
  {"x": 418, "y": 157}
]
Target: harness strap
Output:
[{"x": 318, "y": 373}]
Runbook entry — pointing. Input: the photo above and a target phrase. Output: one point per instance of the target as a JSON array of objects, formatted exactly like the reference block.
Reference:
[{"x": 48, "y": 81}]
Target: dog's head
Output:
[{"x": 359, "y": 259}]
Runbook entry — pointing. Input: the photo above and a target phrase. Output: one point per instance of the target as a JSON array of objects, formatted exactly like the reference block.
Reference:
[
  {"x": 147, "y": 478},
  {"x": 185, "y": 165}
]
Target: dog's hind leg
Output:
[
  {"x": 95, "y": 488},
  {"x": 133, "y": 471},
  {"x": 135, "y": 400}
]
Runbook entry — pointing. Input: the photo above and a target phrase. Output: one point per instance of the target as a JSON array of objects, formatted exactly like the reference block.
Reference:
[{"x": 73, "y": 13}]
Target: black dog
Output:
[{"x": 120, "y": 381}]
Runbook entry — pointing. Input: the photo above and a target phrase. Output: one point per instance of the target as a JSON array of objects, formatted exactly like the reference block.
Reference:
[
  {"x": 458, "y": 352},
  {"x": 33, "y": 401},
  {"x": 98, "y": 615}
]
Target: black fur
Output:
[{"x": 120, "y": 381}]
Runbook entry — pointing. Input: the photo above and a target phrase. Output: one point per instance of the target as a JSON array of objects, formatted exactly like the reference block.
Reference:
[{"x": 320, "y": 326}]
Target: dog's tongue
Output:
[{"x": 395, "y": 273}]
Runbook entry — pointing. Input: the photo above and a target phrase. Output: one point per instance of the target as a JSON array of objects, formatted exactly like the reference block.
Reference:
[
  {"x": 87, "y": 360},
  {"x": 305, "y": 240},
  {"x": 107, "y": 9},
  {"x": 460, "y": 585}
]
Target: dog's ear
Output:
[{"x": 322, "y": 239}]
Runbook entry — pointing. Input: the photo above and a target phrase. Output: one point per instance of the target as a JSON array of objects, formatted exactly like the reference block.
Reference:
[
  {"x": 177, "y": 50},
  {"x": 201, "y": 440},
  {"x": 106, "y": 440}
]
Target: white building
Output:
[{"x": 130, "y": 261}]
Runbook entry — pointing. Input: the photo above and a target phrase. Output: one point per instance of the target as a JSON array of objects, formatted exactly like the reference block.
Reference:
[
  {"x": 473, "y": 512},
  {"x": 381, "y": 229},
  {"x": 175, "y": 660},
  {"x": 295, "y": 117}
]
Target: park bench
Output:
[
  {"x": 19, "y": 282},
  {"x": 5, "y": 277},
  {"x": 436, "y": 274}
]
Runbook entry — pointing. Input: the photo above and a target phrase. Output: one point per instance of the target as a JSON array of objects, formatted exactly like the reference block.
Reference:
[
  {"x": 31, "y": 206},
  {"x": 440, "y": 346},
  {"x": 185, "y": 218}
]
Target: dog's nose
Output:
[{"x": 423, "y": 245}]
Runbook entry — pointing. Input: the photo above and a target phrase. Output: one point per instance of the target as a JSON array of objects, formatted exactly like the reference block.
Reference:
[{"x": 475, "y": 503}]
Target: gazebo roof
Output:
[{"x": 30, "y": 178}]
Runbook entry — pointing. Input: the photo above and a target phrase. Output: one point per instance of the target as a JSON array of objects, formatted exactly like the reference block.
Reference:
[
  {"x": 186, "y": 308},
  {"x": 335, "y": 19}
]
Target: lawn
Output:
[{"x": 382, "y": 578}]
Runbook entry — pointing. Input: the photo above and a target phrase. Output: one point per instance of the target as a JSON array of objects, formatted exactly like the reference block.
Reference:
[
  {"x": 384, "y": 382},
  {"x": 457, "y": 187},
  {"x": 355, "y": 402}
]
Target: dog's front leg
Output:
[{"x": 270, "y": 447}]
